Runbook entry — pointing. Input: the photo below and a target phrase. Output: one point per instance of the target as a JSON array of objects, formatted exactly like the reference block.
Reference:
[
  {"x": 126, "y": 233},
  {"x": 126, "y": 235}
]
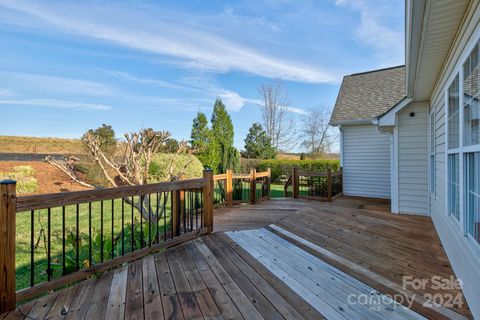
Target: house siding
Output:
[
  {"x": 462, "y": 253},
  {"x": 413, "y": 160},
  {"x": 366, "y": 162}
]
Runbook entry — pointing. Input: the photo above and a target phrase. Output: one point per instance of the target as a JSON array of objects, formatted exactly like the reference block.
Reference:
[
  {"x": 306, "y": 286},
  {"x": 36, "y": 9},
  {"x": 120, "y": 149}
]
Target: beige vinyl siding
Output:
[
  {"x": 413, "y": 160},
  {"x": 366, "y": 162}
]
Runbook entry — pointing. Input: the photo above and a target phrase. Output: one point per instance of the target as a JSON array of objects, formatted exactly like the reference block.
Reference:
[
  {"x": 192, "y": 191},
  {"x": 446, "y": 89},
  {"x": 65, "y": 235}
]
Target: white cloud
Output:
[
  {"x": 298, "y": 111},
  {"x": 6, "y": 93},
  {"x": 53, "y": 103},
  {"x": 49, "y": 83},
  {"x": 374, "y": 30},
  {"x": 233, "y": 101},
  {"x": 155, "y": 34}
]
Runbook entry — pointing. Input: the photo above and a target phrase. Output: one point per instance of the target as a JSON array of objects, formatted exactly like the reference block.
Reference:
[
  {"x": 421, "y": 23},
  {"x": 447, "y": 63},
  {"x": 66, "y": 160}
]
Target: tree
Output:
[
  {"x": 277, "y": 118},
  {"x": 130, "y": 163},
  {"x": 203, "y": 142},
  {"x": 316, "y": 132},
  {"x": 222, "y": 133},
  {"x": 257, "y": 144}
]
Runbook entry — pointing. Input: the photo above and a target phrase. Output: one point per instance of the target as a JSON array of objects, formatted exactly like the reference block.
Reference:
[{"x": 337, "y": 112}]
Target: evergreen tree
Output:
[
  {"x": 222, "y": 130},
  {"x": 204, "y": 143},
  {"x": 257, "y": 144}
]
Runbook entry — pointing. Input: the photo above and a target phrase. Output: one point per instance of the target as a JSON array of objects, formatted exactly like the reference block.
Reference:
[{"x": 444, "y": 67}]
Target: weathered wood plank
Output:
[
  {"x": 152, "y": 299},
  {"x": 170, "y": 301},
  {"x": 225, "y": 304},
  {"x": 61, "y": 306},
  {"x": 304, "y": 308},
  {"x": 264, "y": 307},
  {"x": 118, "y": 291},
  {"x": 81, "y": 301},
  {"x": 98, "y": 304},
  {"x": 42, "y": 307},
  {"x": 204, "y": 298},
  {"x": 134, "y": 298},
  {"x": 242, "y": 302},
  {"x": 187, "y": 299}
]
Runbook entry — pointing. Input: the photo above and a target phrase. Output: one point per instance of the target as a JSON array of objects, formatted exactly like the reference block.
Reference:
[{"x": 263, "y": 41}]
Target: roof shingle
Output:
[{"x": 364, "y": 96}]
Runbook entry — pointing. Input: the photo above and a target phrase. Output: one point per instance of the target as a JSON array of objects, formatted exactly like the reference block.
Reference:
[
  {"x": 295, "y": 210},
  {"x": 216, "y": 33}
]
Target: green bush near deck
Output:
[
  {"x": 161, "y": 162},
  {"x": 284, "y": 167}
]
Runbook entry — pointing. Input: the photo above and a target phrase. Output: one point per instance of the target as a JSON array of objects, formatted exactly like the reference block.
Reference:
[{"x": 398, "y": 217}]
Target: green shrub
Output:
[
  {"x": 161, "y": 162},
  {"x": 247, "y": 164},
  {"x": 26, "y": 182},
  {"x": 284, "y": 167}
]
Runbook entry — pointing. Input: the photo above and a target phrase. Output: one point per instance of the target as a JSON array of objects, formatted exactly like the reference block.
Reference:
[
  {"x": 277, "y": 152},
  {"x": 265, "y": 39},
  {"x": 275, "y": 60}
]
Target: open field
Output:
[
  {"x": 17, "y": 144},
  {"x": 49, "y": 179}
]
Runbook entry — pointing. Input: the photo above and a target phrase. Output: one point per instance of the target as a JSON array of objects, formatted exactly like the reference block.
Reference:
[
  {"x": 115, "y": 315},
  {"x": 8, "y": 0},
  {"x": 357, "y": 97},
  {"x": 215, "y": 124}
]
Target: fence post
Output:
[
  {"x": 269, "y": 182},
  {"x": 8, "y": 208},
  {"x": 208, "y": 200},
  {"x": 295, "y": 182},
  {"x": 253, "y": 185},
  {"x": 329, "y": 181},
  {"x": 229, "y": 187}
]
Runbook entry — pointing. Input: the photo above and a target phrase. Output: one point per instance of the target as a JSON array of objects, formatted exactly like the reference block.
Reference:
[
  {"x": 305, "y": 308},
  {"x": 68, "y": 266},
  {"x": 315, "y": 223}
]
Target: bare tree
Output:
[
  {"x": 316, "y": 133},
  {"x": 130, "y": 164},
  {"x": 277, "y": 118}
]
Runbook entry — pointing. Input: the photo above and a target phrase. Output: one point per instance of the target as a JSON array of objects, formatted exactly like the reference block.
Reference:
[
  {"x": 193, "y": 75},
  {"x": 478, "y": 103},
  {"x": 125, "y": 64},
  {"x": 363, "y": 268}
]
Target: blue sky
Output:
[{"x": 70, "y": 66}]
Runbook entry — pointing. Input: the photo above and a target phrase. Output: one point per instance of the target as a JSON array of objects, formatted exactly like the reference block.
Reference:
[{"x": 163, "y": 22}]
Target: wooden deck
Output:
[{"x": 281, "y": 259}]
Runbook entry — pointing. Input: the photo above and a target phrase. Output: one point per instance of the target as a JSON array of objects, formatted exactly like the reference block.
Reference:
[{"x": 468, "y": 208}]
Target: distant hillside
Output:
[{"x": 14, "y": 144}]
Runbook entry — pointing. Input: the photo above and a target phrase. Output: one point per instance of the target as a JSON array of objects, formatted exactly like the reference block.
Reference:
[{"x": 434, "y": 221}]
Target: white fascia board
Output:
[
  {"x": 389, "y": 118},
  {"x": 351, "y": 122}
]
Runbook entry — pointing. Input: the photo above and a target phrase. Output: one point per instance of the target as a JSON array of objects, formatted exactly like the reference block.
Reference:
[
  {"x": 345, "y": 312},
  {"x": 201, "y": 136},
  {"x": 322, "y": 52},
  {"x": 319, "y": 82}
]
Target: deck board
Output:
[{"x": 266, "y": 274}]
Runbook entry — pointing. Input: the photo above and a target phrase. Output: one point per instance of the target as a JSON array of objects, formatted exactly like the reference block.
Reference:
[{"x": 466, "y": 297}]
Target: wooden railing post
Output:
[
  {"x": 269, "y": 182},
  {"x": 8, "y": 208},
  {"x": 208, "y": 200},
  {"x": 329, "y": 187},
  {"x": 253, "y": 186},
  {"x": 295, "y": 182},
  {"x": 229, "y": 188}
]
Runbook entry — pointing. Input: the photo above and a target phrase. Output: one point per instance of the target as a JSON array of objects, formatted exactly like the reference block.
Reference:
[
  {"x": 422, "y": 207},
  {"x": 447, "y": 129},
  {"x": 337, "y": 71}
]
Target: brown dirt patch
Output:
[{"x": 49, "y": 178}]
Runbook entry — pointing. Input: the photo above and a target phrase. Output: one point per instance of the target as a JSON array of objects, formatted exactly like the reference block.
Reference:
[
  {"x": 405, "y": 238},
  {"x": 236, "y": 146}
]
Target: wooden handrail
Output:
[
  {"x": 253, "y": 178},
  {"x": 43, "y": 201}
]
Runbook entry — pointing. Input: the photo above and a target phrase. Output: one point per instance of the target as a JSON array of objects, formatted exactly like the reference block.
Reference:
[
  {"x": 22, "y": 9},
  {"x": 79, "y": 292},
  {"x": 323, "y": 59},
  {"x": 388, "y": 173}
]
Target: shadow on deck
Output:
[{"x": 293, "y": 259}]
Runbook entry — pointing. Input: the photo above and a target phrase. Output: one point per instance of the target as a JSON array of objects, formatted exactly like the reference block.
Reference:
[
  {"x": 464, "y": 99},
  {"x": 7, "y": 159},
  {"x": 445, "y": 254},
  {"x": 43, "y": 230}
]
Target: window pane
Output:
[
  {"x": 453, "y": 115},
  {"x": 453, "y": 185},
  {"x": 471, "y": 71},
  {"x": 472, "y": 194}
]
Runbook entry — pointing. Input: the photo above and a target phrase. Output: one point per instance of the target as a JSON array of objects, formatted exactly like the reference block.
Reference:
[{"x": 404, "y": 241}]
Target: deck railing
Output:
[
  {"x": 324, "y": 186},
  {"x": 67, "y": 237},
  {"x": 234, "y": 188}
]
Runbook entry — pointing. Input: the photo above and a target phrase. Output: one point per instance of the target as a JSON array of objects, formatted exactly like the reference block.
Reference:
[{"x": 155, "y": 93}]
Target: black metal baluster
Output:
[
  {"x": 123, "y": 226},
  {"x": 165, "y": 199},
  {"x": 32, "y": 248},
  {"x": 101, "y": 231},
  {"x": 49, "y": 262},
  {"x": 184, "y": 205},
  {"x": 191, "y": 210},
  {"x": 158, "y": 218},
  {"x": 63, "y": 240},
  {"x": 77, "y": 239},
  {"x": 196, "y": 209},
  {"x": 141, "y": 221},
  {"x": 113, "y": 228},
  {"x": 149, "y": 220},
  {"x": 133, "y": 230},
  {"x": 90, "y": 234}
]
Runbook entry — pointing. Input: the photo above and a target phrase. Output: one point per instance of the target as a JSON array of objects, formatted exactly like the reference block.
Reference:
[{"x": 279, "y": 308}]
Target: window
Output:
[
  {"x": 454, "y": 115},
  {"x": 453, "y": 144},
  {"x": 472, "y": 194},
  {"x": 432, "y": 152},
  {"x": 471, "y": 125},
  {"x": 454, "y": 185}
]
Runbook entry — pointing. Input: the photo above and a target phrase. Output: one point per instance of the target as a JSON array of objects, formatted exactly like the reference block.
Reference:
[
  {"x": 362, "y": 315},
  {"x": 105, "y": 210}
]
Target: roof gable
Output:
[{"x": 365, "y": 96}]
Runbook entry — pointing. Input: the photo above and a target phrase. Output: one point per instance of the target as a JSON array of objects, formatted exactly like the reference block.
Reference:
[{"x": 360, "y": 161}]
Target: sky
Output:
[{"x": 69, "y": 66}]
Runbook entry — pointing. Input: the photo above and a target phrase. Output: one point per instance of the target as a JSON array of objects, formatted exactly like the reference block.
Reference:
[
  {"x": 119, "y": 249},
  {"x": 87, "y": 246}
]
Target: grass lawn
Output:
[{"x": 276, "y": 191}]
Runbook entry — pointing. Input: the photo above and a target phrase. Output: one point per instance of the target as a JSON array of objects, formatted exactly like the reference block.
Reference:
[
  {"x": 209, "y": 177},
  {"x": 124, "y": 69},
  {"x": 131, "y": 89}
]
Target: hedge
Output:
[
  {"x": 284, "y": 167},
  {"x": 161, "y": 161}
]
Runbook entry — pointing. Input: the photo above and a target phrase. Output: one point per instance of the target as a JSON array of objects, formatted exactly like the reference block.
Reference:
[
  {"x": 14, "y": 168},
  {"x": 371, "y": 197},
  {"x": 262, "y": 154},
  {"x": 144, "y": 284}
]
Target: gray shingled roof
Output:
[{"x": 368, "y": 95}]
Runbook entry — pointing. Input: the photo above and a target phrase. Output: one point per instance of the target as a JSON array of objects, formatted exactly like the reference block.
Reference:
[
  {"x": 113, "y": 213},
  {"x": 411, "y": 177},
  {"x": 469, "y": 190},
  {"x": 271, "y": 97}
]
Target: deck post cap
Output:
[{"x": 3, "y": 182}]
